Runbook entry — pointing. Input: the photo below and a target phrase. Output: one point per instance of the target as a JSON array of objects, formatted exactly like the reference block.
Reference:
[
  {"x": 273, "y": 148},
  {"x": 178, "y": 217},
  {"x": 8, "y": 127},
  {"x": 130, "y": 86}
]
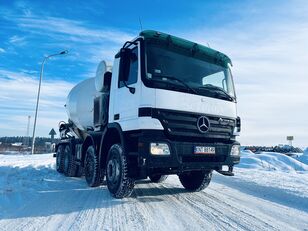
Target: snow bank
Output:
[
  {"x": 271, "y": 161},
  {"x": 304, "y": 157}
]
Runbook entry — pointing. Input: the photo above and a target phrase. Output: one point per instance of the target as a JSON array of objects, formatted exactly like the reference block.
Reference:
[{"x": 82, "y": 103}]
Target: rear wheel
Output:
[
  {"x": 158, "y": 178},
  {"x": 60, "y": 159},
  {"x": 91, "y": 168},
  {"x": 118, "y": 182},
  {"x": 70, "y": 165},
  {"x": 195, "y": 180}
]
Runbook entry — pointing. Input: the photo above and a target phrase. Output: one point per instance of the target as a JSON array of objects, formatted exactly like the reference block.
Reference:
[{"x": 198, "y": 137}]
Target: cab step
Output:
[{"x": 225, "y": 173}]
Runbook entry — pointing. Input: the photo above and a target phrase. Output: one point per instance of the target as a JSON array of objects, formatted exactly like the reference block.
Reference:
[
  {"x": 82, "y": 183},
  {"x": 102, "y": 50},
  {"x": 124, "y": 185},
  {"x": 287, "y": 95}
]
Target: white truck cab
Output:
[{"x": 168, "y": 107}]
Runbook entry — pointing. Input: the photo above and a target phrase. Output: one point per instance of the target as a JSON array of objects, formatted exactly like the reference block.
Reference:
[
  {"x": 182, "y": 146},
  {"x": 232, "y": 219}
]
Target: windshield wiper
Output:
[
  {"x": 217, "y": 89},
  {"x": 176, "y": 79}
]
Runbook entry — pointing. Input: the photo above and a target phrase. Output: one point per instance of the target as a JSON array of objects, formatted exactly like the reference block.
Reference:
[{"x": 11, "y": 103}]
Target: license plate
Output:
[{"x": 204, "y": 150}]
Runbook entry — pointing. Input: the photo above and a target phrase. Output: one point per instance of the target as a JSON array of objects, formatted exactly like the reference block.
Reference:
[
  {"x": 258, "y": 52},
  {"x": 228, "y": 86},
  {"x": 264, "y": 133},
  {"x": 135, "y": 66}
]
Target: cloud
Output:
[
  {"x": 80, "y": 37},
  {"x": 266, "y": 41},
  {"x": 270, "y": 61},
  {"x": 17, "y": 40},
  {"x": 18, "y": 91},
  {"x": 23, "y": 7},
  {"x": 73, "y": 30},
  {"x": 2, "y": 50}
]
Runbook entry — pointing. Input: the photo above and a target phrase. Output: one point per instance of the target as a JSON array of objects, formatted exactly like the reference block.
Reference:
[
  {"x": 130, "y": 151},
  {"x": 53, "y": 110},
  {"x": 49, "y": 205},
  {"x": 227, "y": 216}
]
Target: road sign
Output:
[
  {"x": 290, "y": 138},
  {"x": 52, "y": 133}
]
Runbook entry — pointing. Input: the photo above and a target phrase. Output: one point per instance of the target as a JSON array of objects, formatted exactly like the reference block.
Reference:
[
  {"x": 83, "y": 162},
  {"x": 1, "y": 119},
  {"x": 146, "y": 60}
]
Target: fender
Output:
[
  {"x": 111, "y": 134},
  {"x": 61, "y": 142},
  {"x": 92, "y": 138},
  {"x": 117, "y": 126}
]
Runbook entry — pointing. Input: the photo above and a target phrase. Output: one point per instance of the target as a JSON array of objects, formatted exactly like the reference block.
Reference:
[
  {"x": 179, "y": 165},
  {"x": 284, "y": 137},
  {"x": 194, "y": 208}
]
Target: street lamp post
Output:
[{"x": 38, "y": 94}]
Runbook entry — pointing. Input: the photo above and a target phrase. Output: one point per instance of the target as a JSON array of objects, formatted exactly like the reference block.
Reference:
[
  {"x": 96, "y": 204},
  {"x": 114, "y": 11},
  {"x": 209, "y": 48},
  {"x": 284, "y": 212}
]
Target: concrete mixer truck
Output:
[{"x": 167, "y": 106}]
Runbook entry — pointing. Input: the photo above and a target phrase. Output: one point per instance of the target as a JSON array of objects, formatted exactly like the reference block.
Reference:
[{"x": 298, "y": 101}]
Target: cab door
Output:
[{"x": 126, "y": 101}]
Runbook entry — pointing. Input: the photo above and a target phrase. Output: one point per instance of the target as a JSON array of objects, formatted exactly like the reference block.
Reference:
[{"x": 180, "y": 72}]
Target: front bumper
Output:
[{"x": 182, "y": 157}]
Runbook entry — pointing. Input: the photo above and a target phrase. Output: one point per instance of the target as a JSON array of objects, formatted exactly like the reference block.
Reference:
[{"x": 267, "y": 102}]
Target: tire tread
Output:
[
  {"x": 196, "y": 181},
  {"x": 96, "y": 178},
  {"x": 127, "y": 184}
]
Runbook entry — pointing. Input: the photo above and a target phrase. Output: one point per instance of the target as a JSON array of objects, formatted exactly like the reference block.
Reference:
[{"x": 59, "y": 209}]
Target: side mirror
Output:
[
  {"x": 107, "y": 81},
  {"x": 125, "y": 56}
]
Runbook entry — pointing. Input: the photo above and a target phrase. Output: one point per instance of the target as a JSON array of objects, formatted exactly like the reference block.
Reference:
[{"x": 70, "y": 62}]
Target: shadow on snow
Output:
[{"x": 35, "y": 192}]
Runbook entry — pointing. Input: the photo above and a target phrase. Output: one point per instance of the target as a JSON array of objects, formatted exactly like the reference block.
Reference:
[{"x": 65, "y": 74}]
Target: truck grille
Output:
[{"x": 185, "y": 124}]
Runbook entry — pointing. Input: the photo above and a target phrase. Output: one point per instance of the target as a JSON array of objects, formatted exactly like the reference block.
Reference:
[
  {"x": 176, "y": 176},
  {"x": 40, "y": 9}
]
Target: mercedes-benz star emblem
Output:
[{"x": 203, "y": 124}]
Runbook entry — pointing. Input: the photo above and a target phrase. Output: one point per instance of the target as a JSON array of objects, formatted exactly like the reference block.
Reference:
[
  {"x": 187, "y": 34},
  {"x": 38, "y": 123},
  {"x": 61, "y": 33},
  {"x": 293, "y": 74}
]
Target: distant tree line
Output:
[
  {"x": 281, "y": 149},
  {"x": 22, "y": 144},
  {"x": 25, "y": 139}
]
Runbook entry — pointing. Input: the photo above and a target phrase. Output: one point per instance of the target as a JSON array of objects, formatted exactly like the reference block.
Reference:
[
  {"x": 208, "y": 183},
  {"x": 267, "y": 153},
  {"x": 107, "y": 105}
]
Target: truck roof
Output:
[{"x": 212, "y": 55}]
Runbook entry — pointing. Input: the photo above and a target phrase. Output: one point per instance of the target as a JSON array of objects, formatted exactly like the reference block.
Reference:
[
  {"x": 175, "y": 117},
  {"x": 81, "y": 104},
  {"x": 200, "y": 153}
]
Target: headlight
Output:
[
  {"x": 159, "y": 149},
  {"x": 235, "y": 150}
]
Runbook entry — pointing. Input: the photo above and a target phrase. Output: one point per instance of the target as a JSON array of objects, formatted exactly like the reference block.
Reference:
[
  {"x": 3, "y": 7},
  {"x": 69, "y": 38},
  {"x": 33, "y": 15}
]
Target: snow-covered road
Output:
[{"x": 33, "y": 196}]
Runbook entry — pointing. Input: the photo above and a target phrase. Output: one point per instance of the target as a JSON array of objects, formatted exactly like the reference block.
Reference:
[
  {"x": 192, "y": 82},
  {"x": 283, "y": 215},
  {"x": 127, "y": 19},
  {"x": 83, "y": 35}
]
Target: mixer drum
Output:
[{"x": 80, "y": 104}]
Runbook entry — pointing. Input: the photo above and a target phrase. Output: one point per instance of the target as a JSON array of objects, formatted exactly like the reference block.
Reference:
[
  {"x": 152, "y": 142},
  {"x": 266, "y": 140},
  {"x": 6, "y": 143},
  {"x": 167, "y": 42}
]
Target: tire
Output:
[
  {"x": 119, "y": 184},
  {"x": 158, "y": 178},
  {"x": 91, "y": 168},
  {"x": 70, "y": 166},
  {"x": 60, "y": 159},
  {"x": 195, "y": 180}
]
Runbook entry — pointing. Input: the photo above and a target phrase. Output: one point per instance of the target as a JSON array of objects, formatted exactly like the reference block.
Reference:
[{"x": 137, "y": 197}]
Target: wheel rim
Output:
[{"x": 113, "y": 171}]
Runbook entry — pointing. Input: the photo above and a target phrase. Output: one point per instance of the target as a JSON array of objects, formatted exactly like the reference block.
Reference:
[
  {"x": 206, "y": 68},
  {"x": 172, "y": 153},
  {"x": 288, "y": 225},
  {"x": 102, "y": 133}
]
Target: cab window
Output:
[{"x": 133, "y": 70}]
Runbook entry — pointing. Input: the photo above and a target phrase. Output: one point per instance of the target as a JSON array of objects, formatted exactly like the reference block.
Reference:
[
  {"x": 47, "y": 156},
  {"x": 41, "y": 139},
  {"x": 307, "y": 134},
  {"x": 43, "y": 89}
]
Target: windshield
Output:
[{"x": 175, "y": 70}]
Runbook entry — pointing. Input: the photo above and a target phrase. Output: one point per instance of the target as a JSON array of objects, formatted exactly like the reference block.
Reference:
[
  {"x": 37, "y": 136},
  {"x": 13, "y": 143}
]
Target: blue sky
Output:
[{"x": 267, "y": 41}]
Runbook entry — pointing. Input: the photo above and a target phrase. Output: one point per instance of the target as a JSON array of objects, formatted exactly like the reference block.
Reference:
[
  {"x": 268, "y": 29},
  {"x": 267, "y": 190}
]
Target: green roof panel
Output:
[{"x": 196, "y": 49}]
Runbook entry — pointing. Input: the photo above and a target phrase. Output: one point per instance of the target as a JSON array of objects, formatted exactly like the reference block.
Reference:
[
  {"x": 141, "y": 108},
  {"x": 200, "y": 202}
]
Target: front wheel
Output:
[
  {"x": 119, "y": 184},
  {"x": 195, "y": 180}
]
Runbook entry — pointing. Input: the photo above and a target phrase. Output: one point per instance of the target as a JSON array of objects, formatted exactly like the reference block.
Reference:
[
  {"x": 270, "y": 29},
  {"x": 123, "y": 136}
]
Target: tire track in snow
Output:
[
  {"x": 246, "y": 208},
  {"x": 203, "y": 210},
  {"x": 150, "y": 203},
  {"x": 68, "y": 204},
  {"x": 171, "y": 208},
  {"x": 236, "y": 218}
]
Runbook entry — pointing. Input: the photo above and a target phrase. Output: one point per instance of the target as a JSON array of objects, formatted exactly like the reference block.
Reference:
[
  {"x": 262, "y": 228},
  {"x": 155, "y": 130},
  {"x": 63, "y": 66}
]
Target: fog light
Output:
[
  {"x": 225, "y": 168},
  {"x": 235, "y": 150},
  {"x": 159, "y": 149}
]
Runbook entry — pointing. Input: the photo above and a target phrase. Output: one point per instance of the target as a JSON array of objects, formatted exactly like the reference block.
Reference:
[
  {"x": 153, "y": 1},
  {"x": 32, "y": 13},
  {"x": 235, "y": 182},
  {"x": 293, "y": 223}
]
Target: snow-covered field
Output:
[{"x": 268, "y": 192}]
